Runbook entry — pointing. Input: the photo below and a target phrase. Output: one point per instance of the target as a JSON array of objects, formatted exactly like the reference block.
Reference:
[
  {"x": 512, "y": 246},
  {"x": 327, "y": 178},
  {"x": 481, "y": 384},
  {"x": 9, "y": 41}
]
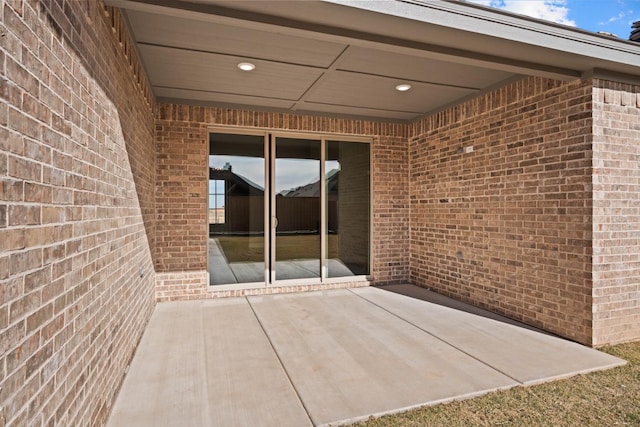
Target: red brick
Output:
[
  {"x": 12, "y": 190},
  {"x": 3, "y": 164},
  {"x": 37, "y": 279},
  {"x": 34, "y": 192},
  {"x": 24, "y": 169},
  {"x": 53, "y": 214},
  {"x": 23, "y": 215},
  {"x": 39, "y": 318}
]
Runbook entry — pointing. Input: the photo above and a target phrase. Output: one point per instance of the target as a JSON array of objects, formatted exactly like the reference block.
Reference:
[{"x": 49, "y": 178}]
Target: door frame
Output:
[{"x": 270, "y": 136}]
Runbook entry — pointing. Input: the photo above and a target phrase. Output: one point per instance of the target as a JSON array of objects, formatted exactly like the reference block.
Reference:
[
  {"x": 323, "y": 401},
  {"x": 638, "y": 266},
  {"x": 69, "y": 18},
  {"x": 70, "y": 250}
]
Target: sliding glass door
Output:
[
  {"x": 296, "y": 210},
  {"x": 237, "y": 237},
  {"x": 287, "y": 208}
]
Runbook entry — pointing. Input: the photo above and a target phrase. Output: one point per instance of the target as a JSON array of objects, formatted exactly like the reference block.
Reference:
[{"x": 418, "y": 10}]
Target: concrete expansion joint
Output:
[
  {"x": 275, "y": 352},
  {"x": 441, "y": 339}
]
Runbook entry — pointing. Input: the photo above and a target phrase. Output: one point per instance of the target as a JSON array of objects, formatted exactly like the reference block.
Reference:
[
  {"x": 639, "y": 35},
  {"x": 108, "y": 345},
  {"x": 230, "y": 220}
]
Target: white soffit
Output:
[
  {"x": 203, "y": 36},
  {"x": 341, "y": 88},
  {"x": 211, "y": 72},
  {"x": 344, "y": 57},
  {"x": 371, "y": 61}
]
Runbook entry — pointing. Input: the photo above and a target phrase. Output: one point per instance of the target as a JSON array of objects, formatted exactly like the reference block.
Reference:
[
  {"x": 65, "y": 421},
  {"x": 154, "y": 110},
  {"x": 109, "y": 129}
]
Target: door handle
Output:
[{"x": 275, "y": 222}]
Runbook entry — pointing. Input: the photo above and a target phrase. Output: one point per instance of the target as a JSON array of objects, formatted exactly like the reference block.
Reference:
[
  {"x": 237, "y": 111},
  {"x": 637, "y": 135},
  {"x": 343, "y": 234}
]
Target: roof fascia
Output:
[
  {"x": 600, "y": 74},
  {"x": 473, "y": 18}
]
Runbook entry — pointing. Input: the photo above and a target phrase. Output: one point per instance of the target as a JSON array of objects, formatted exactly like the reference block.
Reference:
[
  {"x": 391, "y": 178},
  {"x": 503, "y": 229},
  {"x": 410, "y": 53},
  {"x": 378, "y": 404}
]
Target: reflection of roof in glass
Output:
[
  {"x": 251, "y": 183},
  {"x": 245, "y": 184},
  {"x": 313, "y": 188}
]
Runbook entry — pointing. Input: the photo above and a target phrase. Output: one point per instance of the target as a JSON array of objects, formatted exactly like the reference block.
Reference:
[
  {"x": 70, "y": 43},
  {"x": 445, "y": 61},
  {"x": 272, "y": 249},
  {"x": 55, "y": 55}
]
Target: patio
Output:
[{"x": 330, "y": 358}]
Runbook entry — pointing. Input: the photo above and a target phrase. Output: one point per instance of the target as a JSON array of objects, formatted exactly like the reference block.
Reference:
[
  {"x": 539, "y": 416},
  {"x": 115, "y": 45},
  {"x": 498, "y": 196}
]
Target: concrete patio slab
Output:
[
  {"x": 360, "y": 360},
  {"x": 521, "y": 352},
  {"x": 206, "y": 363},
  {"x": 329, "y": 358}
]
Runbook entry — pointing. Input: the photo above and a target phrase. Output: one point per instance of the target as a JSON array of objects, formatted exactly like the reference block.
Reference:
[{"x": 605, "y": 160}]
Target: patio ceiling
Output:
[{"x": 345, "y": 58}]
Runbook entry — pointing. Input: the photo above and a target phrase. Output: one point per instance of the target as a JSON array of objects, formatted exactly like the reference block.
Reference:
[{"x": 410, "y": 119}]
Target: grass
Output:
[
  {"x": 300, "y": 246},
  {"x": 606, "y": 398}
]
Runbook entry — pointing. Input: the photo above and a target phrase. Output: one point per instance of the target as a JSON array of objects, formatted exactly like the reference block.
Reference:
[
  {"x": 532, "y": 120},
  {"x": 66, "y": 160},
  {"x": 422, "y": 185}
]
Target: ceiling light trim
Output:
[{"x": 246, "y": 66}]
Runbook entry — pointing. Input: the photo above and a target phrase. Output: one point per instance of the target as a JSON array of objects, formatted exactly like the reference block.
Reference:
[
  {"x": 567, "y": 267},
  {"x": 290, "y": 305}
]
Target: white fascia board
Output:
[{"x": 471, "y": 18}]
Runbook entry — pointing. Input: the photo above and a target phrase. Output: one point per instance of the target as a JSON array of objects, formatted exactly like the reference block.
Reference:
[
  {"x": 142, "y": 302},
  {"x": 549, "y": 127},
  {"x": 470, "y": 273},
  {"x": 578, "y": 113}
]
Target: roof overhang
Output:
[{"x": 345, "y": 57}]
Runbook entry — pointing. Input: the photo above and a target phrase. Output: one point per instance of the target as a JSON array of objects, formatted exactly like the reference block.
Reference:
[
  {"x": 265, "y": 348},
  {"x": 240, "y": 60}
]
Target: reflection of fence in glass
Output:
[{"x": 216, "y": 216}]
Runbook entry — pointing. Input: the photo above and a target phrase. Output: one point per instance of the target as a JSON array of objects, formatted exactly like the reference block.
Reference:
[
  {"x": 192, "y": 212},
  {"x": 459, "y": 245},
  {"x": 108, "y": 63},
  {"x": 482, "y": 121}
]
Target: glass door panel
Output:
[
  {"x": 296, "y": 211},
  {"x": 236, "y": 209},
  {"x": 347, "y": 199}
]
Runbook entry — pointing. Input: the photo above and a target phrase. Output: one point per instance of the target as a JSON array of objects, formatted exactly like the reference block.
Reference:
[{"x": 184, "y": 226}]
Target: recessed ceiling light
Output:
[
  {"x": 246, "y": 66},
  {"x": 403, "y": 87}
]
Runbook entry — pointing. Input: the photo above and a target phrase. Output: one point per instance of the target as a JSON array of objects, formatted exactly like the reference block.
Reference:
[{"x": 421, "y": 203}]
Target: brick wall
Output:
[
  {"x": 77, "y": 175},
  {"x": 500, "y": 190},
  {"x": 181, "y": 195},
  {"x": 390, "y": 220},
  {"x": 181, "y": 192},
  {"x": 616, "y": 212}
]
